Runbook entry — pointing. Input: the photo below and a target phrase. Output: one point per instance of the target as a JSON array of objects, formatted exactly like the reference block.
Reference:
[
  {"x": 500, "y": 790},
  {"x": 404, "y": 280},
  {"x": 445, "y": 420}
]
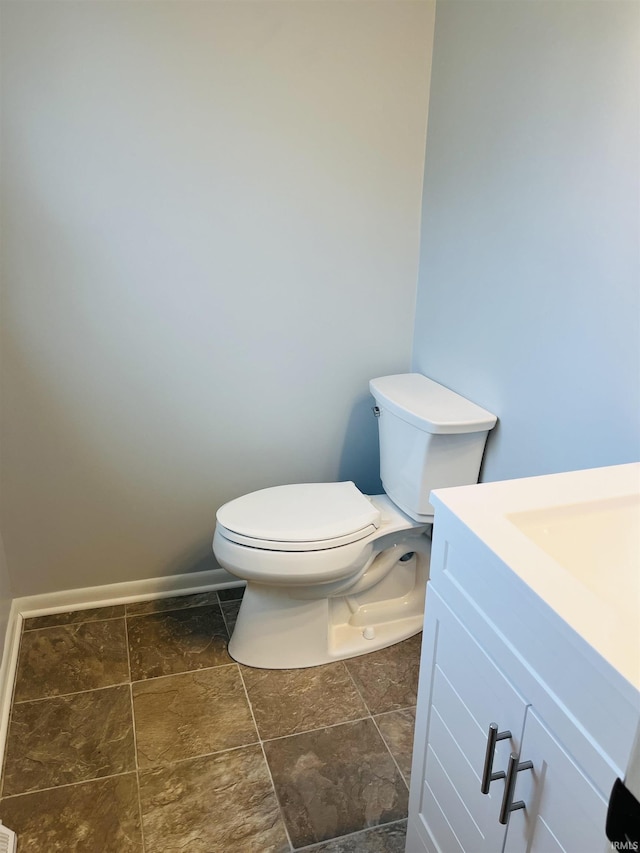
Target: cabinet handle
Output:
[
  {"x": 513, "y": 768},
  {"x": 488, "y": 776}
]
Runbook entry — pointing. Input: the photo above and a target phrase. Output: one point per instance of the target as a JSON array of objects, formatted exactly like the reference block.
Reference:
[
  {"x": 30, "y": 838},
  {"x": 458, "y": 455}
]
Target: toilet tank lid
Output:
[
  {"x": 303, "y": 512},
  {"x": 428, "y": 405}
]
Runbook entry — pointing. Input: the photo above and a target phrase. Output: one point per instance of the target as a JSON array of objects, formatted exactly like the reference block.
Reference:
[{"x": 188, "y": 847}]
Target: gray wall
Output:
[
  {"x": 529, "y": 289},
  {"x": 211, "y": 233}
]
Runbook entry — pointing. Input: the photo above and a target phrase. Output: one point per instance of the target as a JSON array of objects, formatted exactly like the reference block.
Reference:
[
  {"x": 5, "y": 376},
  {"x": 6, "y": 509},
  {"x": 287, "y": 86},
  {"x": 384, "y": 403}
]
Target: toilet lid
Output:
[{"x": 307, "y": 516}]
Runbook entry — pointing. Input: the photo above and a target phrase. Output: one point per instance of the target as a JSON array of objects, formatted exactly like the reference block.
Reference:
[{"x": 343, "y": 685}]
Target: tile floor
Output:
[{"x": 133, "y": 731}]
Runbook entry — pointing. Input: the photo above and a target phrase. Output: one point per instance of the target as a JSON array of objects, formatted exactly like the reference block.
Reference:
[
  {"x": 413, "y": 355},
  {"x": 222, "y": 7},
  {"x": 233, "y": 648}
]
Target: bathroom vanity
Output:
[{"x": 529, "y": 696}]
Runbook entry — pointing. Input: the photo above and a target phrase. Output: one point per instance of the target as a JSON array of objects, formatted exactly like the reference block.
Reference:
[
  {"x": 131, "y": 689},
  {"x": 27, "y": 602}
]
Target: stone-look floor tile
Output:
[
  {"x": 232, "y": 593},
  {"x": 177, "y": 641},
  {"x": 335, "y": 781},
  {"x": 230, "y": 610},
  {"x": 71, "y": 658},
  {"x": 396, "y": 728},
  {"x": 183, "y": 716},
  {"x": 381, "y": 839},
  {"x": 388, "y": 679},
  {"x": 176, "y": 602},
  {"x": 221, "y": 803},
  {"x": 288, "y": 701},
  {"x": 69, "y": 739},
  {"x": 74, "y": 617},
  {"x": 92, "y": 817}
]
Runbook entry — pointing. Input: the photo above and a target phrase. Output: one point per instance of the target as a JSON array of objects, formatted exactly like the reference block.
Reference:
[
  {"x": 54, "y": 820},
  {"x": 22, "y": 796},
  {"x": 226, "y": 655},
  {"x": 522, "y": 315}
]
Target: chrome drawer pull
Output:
[
  {"x": 513, "y": 768},
  {"x": 488, "y": 776}
]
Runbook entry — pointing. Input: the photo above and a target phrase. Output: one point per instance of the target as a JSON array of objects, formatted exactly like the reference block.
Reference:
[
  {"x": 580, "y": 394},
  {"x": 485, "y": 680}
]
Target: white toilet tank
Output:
[{"x": 430, "y": 438}]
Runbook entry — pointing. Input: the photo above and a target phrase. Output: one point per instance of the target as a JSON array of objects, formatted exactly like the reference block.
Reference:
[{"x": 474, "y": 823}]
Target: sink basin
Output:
[
  {"x": 598, "y": 542},
  {"x": 574, "y": 539}
]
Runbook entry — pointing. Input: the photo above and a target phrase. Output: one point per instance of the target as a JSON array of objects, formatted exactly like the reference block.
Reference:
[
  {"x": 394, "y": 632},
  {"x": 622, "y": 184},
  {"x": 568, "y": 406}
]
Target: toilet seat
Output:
[{"x": 299, "y": 517}]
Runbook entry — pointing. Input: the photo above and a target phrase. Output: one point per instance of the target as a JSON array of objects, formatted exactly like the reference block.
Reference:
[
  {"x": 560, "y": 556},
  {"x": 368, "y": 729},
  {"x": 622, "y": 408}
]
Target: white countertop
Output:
[{"x": 574, "y": 539}]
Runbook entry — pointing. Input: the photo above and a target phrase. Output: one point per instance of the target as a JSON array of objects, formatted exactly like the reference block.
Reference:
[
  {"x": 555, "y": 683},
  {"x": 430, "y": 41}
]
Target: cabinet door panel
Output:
[
  {"x": 468, "y": 692},
  {"x": 449, "y": 715},
  {"x": 563, "y": 811},
  {"x": 442, "y": 798},
  {"x": 485, "y": 691}
]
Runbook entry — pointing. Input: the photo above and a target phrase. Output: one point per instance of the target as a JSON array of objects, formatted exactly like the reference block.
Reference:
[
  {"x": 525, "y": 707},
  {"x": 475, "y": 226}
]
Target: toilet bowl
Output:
[
  {"x": 332, "y": 573},
  {"x": 333, "y": 598}
]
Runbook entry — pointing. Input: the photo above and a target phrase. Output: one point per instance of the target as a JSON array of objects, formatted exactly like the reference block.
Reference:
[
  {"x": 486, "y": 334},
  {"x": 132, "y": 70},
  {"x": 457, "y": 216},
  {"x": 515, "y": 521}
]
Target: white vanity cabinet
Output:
[
  {"x": 495, "y": 653},
  {"x": 466, "y": 693}
]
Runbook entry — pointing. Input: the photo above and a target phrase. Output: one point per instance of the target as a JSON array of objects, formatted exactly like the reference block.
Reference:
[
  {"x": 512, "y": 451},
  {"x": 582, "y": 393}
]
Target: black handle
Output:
[
  {"x": 513, "y": 768},
  {"x": 488, "y": 776}
]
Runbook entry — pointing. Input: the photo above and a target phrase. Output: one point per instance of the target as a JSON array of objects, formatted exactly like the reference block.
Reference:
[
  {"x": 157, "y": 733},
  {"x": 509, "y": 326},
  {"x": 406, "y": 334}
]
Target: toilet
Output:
[{"x": 332, "y": 573}]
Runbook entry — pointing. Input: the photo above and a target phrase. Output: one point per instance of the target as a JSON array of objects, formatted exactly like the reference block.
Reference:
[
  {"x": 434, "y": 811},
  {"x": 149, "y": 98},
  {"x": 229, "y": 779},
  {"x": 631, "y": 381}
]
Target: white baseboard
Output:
[
  {"x": 124, "y": 593},
  {"x": 8, "y": 672},
  {"x": 85, "y": 599}
]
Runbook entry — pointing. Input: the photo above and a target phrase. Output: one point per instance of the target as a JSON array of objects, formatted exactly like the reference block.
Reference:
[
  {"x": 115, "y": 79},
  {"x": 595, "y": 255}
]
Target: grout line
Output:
[
  {"x": 135, "y": 737},
  {"x": 318, "y": 844},
  {"x": 69, "y": 624},
  {"x": 389, "y": 750},
  {"x": 373, "y": 719},
  {"x": 178, "y": 596},
  {"x": 376, "y": 713},
  {"x": 121, "y": 683},
  {"x": 173, "y": 609},
  {"x": 264, "y": 755},
  {"x": 163, "y": 766},
  {"x": 358, "y": 691},
  {"x": 275, "y": 794},
  {"x": 74, "y": 625},
  {"x": 224, "y": 618},
  {"x": 69, "y": 785},
  {"x": 185, "y": 672},
  {"x": 318, "y": 729},
  {"x": 65, "y": 695},
  {"x": 395, "y": 711}
]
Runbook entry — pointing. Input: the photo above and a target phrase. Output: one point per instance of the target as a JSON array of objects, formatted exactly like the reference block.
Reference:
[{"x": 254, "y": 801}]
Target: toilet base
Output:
[{"x": 277, "y": 630}]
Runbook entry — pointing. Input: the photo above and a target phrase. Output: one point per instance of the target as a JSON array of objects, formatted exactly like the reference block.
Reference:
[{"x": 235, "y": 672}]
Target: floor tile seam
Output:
[
  {"x": 277, "y": 798},
  {"x": 390, "y": 753},
  {"x": 66, "y": 695},
  {"x": 135, "y": 738},
  {"x": 266, "y": 762},
  {"x": 69, "y": 784},
  {"x": 355, "y": 684},
  {"x": 169, "y": 764},
  {"x": 317, "y": 729},
  {"x": 317, "y": 844},
  {"x": 182, "y": 672},
  {"x": 126, "y": 646},
  {"x": 395, "y": 711},
  {"x": 376, "y": 713},
  {"x": 258, "y": 742},
  {"x": 224, "y": 616},
  {"x": 172, "y": 610},
  {"x": 74, "y": 624},
  {"x": 135, "y": 757},
  {"x": 306, "y": 731},
  {"x": 139, "y": 795}
]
